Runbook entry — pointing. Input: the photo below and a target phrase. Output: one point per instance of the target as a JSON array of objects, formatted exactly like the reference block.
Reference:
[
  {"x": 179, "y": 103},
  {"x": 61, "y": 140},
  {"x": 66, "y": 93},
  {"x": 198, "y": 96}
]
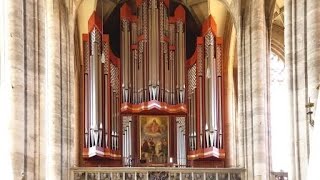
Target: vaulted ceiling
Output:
[
  {"x": 198, "y": 8},
  {"x": 278, "y": 17},
  {"x": 277, "y": 34}
]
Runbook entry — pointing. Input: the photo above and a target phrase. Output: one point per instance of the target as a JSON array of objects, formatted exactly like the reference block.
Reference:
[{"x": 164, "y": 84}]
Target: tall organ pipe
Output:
[
  {"x": 95, "y": 93},
  {"x": 126, "y": 65}
]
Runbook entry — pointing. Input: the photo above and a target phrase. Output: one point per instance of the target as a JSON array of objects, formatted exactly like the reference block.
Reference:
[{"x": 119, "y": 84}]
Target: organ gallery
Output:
[{"x": 159, "y": 100}]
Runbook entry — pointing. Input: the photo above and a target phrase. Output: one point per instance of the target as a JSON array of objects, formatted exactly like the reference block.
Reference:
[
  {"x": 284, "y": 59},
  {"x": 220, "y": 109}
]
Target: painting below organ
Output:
[{"x": 152, "y": 79}]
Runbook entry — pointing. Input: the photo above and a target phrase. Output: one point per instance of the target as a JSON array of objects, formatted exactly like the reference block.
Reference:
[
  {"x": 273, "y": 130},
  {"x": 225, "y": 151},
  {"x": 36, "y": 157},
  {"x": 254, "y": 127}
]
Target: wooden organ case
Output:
[{"x": 152, "y": 77}]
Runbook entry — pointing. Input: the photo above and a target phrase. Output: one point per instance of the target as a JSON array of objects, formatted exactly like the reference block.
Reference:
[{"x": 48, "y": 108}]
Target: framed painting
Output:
[{"x": 154, "y": 138}]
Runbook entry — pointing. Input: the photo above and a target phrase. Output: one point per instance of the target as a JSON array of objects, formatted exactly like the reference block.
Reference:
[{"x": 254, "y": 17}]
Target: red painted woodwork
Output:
[
  {"x": 125, "y": 11},
  {"x": 209, "y": 25},
  {"x": 153, "y": 107},
  {"x": 94, "y": 21},
  {"x": 180, "y": 14},
  {"x": 206, "y": 153}
]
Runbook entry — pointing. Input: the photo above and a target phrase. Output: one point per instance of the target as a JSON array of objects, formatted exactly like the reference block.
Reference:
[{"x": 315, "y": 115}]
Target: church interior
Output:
[{"x": 159, "y": 89}]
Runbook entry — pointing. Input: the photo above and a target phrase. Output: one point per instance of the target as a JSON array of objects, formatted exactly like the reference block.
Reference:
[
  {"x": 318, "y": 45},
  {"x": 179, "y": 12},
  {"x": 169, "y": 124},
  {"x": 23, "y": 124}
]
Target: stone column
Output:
[
  {"x": 37, "y": 89},
  {"x": 302, "y": 31},
  {"x": 288, "y": 61},
  {"x": 229, "y": 44},
  {"x": 313, "y": 46},
  {"x": 53, "y": 92},
  {"x": 253, "y": 91},
  {"x": 259, "y": 72},
  {"x": 313, "y": 67},
  {"x": 12, "y": 91}
]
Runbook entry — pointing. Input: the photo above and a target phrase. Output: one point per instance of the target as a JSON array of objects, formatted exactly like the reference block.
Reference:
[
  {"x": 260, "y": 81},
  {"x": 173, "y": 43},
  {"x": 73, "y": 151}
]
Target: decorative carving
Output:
[
  {"x": 92, "y": 176},
  {"x": 181, "y": 123},
  {"x": 105, "y": 176},
  {"x": 187, "y": 176},
  {"x": 79, "y": 176},
  {"x": 209, "y": 39},
  {"x": 179, "y": 26},
  {"x": 129, "y": 176},
  {"x": 223, "y": 176},
  {"x": 117, "y": 176},
  {"x": 115, "y": 83},
  {"x": 175, "y": 176},
  {"x": 106, "y": 63},
  {"x": 125, "y": 122},
  {"x": 95, "y": 37},
  {"x": 200, "y": 60},
  {"x": 235, "y": 176},
  {"x": 140, "y": 53},
  {"x": 210, "y": 176},
  {"x": 161, "y": 21},
  {"x": 125, "y": 24},
  {"x": 145, "y": 19},
  {"x": 158, "y": 175},
  {"x": 219, "y": 60},
  {"x": 86, "y": 56},
  {"x": 165, "y": 174},
  {"x": 192, "y": 80},
  {"x": 198, "y": 176},
  {"x": 141, "y": 176}
]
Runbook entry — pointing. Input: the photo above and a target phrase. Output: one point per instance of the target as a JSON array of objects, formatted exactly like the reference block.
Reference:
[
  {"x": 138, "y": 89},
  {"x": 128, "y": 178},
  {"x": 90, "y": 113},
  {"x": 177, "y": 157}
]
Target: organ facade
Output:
[{"x": 152, "y": 79}]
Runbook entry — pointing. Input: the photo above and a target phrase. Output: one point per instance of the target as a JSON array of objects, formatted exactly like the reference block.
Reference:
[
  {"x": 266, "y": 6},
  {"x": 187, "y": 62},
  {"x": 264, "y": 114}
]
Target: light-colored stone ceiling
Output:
[
  {"x": 277, "y": 34},
  {"x": 278, "y": 17},
  {"x": 199, "y": 8},
  {"x": 203, "y": 8}
]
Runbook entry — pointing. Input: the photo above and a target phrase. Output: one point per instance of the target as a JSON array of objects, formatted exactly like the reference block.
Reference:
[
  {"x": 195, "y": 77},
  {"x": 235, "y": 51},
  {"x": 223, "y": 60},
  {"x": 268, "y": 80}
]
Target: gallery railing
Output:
[
  {"x": 155, "y": 173},
  {"x": 279, "y": 175}
]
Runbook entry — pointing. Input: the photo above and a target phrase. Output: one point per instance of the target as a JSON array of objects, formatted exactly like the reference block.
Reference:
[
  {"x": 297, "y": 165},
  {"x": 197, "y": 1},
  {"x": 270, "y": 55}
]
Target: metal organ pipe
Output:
[
  {"x": 106, "y": 95},
  {"x": 211, "y": 107},
  {"x": 200, "y": 92},
  {"x": 155, "y": 68},
  {"x": 95, "y": 93},
  {"x": 125, "y": 56},
  {"x": 87, "y": 99},
  {"x": 180, "y": 62},
  {"x": 219, "y": 95}
]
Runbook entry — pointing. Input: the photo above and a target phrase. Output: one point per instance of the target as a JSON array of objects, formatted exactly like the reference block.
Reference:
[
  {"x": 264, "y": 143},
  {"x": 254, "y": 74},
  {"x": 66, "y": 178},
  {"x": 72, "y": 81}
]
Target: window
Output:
[{"x": 279, "y": 116}]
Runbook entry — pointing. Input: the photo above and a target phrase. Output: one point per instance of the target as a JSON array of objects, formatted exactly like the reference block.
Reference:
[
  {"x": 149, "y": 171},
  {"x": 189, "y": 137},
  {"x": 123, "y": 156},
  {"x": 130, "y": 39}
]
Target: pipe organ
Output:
[
  {"x": 152, "y": 76},
  {"x": 152, "y": 56}
]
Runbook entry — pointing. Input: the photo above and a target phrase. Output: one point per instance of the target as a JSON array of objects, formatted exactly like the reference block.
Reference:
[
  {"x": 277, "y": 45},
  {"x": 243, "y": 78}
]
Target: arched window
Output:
[{"x": 279, "y": 115}]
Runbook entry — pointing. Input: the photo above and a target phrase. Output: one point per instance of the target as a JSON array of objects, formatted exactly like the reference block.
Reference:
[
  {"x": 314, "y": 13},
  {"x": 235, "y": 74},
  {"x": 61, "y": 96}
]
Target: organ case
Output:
[{"x": 152, "y": 76}]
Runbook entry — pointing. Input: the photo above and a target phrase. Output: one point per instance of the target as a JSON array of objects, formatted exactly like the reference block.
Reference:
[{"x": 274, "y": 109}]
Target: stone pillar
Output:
[
  {"x": 229, "y": 44},
  {"x": 37, "y": 90},
  {"x": 313, "y": 46},
  {"x": 313, "y": 67},
  {"x": 12, "y": 90},
  {"x": 53, "y": 92},
  {"x": 259, "y": 102},
  {"x": 288, "y": 61},
  {"x": 302, "y": 31},
  {"x": 253, "y": 93},
  {"x": 60, "y": 90}
]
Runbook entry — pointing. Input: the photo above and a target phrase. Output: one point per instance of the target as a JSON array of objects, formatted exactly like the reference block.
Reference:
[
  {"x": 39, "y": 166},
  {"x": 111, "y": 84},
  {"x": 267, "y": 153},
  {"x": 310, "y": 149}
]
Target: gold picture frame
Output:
[{"x": 154, "y": 139}]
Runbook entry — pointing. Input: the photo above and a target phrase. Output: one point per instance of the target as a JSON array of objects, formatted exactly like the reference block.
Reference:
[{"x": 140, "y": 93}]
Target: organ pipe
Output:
[
  {"x": 157, "y": 61},
  {"x": 200, "y": 92},
  {"x": 95, "y": 93}
]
